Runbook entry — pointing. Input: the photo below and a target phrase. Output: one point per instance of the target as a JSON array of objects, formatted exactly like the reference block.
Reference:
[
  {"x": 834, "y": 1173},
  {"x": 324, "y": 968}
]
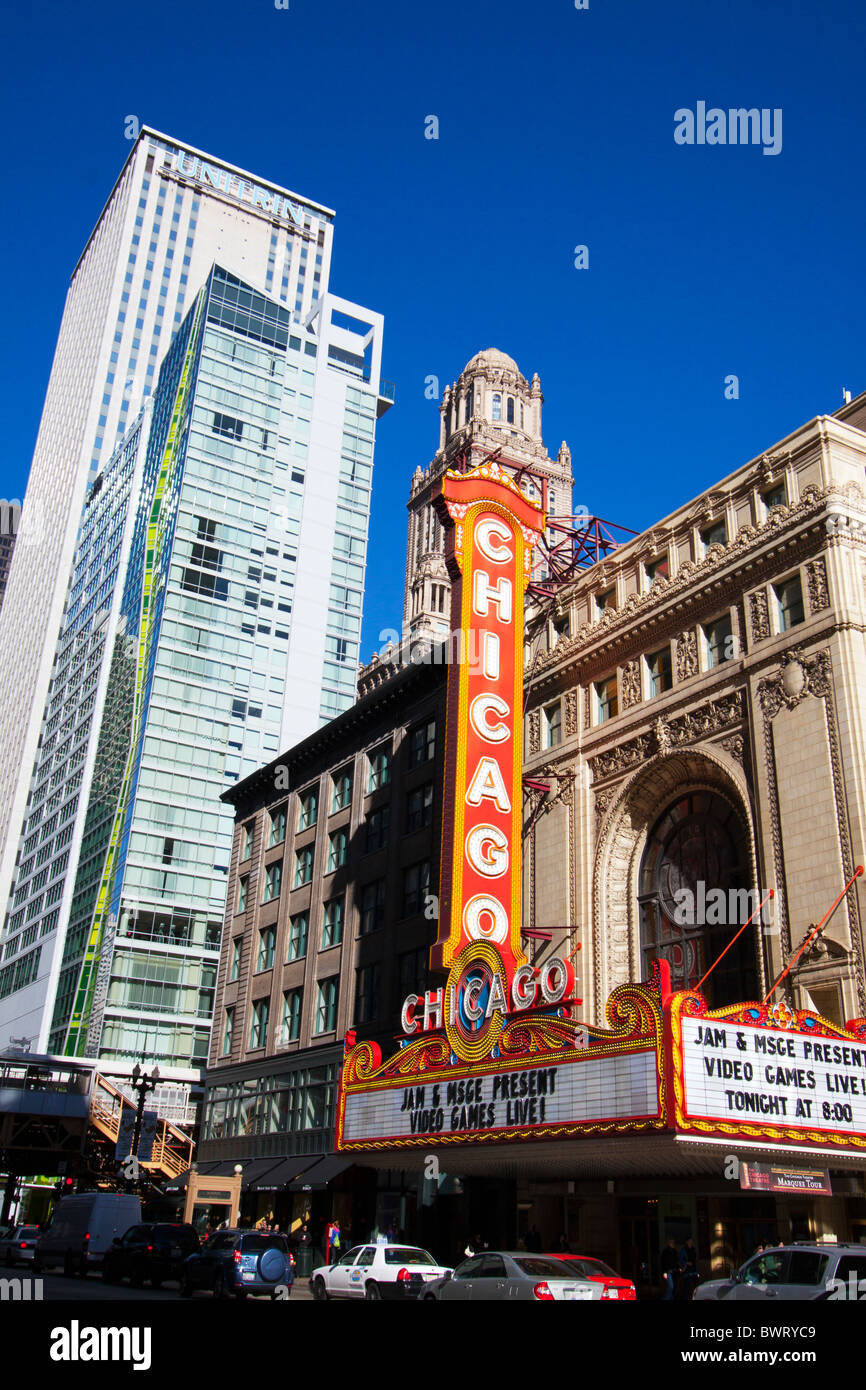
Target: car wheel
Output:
[
  {"x": 320, "y": 1290},
  {"x": 429, "y": 1298},
  {"x": 219, "y": 1285},
  {"x": 372, "y": 1292}
]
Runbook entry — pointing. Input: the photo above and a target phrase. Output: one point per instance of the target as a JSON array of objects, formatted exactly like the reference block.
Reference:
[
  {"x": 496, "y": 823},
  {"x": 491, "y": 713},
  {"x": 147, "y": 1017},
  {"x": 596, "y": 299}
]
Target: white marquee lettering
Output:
[
  {"x": 485, "y": 919},
  {"x": 554, "y": 980},
  {"x": 496, "y": 1002},
  {"x": 487, "y": 782},
  {"x": 484, "y": 593},
  {"x": 523, "y": 987},
  {"x": 478, "y": 712},
  {"x": 490, "y": 656},
  {"x": 488, "y": 531},
  {"x": 408, "y": 1021},
  {"x": 487, "y": 849},
  {"x": 471, "y": 1006}
]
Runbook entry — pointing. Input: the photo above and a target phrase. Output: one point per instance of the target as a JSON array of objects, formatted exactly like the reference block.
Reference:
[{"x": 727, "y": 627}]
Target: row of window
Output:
[
  {"x": 367, "y": 989},
  {"x": 718, "y": 645},
  {"x": 371, "y": 916},
  {"x": 422, "y": 748},
  {"x": 715, "y": 534}
]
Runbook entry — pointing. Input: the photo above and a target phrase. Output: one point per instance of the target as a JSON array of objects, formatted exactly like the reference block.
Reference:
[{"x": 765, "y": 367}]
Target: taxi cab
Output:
[{"x": 377, "y": 1271}]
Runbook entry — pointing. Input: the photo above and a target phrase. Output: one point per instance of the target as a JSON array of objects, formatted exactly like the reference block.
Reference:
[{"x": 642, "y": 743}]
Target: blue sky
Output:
[{"x": 555, "y": 129}]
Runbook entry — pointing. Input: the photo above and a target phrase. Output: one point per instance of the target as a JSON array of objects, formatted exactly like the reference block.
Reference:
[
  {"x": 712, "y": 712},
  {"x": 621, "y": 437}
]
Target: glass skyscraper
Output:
[
  {"x": 213, "y": 618},
  {"x": 173, "y": 212}
]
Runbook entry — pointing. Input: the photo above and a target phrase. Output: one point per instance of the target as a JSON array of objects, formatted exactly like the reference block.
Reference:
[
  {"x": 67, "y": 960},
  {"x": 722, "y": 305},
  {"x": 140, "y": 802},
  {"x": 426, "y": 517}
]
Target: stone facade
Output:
[
  {"x": 490, "y": 410},
  {"x": 763, "y": 710}
]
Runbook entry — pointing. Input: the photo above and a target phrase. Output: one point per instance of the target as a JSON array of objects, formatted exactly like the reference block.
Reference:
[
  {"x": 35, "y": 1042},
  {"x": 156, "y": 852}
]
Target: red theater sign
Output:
[{"x": 491, "y": 529}]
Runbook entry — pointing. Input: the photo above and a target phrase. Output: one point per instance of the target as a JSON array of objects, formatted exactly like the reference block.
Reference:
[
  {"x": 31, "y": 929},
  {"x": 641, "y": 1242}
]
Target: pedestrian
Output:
[
  {"x": 689, "y": 1268},
  {"x": 533, "y": 1239},
  {"x": 334, "y": 1241},
  {"x": 669, "y": 1266}
]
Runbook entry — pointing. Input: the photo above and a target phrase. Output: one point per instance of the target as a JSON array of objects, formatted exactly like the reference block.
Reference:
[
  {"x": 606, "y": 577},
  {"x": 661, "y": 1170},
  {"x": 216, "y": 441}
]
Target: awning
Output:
[
  {"x": 281, "y": 1172},
  {"x": 205, "y": 1170},
  {"x": 328, "y": 1167}
]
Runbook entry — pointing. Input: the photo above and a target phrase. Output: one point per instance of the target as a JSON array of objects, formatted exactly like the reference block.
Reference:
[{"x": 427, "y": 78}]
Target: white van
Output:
[{"x": 82, "y": 1229}]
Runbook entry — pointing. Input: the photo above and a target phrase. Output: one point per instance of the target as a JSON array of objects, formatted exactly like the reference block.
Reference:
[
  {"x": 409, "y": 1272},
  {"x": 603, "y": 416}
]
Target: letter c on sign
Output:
[
  {"x": 408, "y": 1021},
  {"x": 481, "y": 706},
  {"x": 488, "y": 531}
]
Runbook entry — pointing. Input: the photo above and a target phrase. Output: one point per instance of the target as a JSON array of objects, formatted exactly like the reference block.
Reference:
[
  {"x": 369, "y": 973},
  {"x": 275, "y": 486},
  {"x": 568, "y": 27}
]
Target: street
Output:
[{"x": 56, "y": 1288}]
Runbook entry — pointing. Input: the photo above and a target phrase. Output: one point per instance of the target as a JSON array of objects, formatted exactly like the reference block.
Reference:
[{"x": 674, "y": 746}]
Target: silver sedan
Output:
[{"x": 512, "y": 1275}]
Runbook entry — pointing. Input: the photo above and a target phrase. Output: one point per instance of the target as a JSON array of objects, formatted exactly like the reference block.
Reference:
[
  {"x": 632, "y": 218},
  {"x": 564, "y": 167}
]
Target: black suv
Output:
[
  {"x": 240, "y": 1262},
  {"x": 155, "y": 1252}
]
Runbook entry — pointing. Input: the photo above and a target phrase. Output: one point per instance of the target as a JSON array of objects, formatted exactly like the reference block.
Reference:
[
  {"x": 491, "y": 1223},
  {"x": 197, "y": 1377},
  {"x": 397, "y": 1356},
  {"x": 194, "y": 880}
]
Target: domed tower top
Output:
[{"x": 492, "y": 390}]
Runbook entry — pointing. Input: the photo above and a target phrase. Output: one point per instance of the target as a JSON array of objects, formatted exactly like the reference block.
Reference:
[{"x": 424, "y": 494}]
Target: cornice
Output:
[{"x": 670, "y": 601}]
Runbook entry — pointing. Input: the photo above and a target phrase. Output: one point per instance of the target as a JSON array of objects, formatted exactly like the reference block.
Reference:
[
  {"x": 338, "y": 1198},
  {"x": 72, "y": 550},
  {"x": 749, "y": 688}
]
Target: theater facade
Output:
[{"x": 628, "y": 1018}]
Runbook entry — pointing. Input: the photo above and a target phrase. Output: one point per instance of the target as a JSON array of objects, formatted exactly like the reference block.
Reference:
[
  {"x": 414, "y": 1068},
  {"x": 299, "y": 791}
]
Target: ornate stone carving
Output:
[
  {"x": 602, "y": 802},
  {"x": 708, "y": 719},
  {"x": 816, "y": 582},
  {"x": 759, "y": 615},
  {"x": 534, "y": 731},
  {"x": 798, "y": 677},
  {"x": 571, "y": 712},
  {"x": 687, "y": 655},
  {"x": 630, "y": 684},
  {"x": 735, "y": 746}
]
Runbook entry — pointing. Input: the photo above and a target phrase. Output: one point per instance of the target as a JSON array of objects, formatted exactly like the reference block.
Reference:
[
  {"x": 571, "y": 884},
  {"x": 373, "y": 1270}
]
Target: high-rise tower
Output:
[
  {"x": 213, "y": 618},
  {"x": 172, "y": 213},
  {"x": 490, "y": 409}
]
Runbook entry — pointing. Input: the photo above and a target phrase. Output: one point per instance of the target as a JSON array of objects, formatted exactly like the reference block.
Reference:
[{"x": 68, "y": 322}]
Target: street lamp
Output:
[{"x": 142, "y": 1083}]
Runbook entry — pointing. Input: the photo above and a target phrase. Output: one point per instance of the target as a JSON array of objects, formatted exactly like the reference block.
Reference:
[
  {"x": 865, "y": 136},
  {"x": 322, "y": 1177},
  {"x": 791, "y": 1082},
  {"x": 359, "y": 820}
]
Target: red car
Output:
[{"x": 588, "y": 1267}]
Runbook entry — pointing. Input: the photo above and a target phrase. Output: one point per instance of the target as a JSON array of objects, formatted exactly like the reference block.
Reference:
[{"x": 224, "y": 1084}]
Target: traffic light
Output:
[{"x": 64, "y": 1186}]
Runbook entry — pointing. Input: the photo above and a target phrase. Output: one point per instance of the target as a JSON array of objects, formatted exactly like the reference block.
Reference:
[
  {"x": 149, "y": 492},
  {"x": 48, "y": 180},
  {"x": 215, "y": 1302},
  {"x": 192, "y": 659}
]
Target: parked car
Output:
[
  {"x": 589, "y": 1267},
  {"x": 802, "y": 1272},
  {"x": 82, "y": 1229},
  {"x": 152, "y": 1252},
  {"x": 18, "y": 1245},
  {"x": 506, "y": 1274},
  {"x": 376, "y": 1272},
  {"x": 236, "y": 1262}
]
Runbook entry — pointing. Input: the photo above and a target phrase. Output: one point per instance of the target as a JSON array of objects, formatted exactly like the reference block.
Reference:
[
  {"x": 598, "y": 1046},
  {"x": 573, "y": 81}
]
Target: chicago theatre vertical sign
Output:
[
  {"x": 491, "y": 529},
  {"x": 493, "y": 1054}
]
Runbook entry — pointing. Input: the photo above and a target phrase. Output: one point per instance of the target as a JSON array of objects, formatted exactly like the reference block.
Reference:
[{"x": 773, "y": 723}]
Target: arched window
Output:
[
  {"x": 509, "y": 410},
  {"x": 694, "y": 897},
  {"x": 497, "y": 407}
]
